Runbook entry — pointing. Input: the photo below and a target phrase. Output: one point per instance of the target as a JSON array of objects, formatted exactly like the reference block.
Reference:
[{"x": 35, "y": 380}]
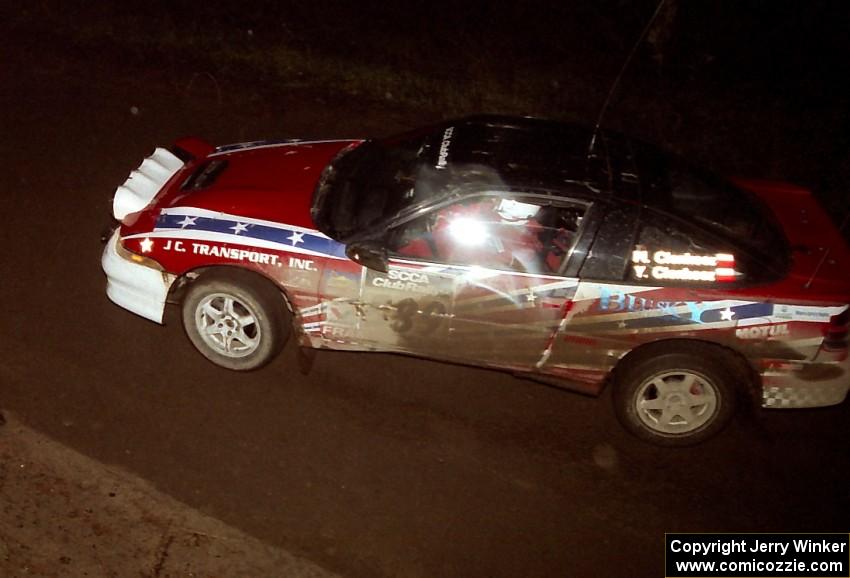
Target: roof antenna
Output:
[{"x": 628, "y": 60}]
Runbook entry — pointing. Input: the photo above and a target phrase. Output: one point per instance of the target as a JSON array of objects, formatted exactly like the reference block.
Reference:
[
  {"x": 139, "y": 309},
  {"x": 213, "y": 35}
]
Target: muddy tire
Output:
[
  {"x": 237, "y": 320},
  {"x": 675, "y": 398}
]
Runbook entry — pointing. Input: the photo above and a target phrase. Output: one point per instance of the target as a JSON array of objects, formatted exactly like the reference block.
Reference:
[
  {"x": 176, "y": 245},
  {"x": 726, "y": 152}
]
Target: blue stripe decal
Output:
[
  {"x": 280, "y": 235},
  {"x": 747, "y": 311}
]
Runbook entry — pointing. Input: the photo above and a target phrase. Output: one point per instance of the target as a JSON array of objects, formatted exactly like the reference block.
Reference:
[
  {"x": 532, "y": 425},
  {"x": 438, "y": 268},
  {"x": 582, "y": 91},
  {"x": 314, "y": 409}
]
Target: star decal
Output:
[
  {"x": 239, "y": 228},
  {"x": 187, "y": 221},
  {"x": 727, "y": 314},
  {"x": 530, "y": 297},
  {"x": 296, "y": 238},
  {"x": 621, "y": 325},
  {"x": 146, "y": 245}
]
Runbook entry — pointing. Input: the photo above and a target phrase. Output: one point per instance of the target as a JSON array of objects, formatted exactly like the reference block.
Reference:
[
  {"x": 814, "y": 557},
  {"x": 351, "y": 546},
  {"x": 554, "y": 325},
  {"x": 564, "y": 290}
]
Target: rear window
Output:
[
  {"x": 720, "y": 206},
  {"x": 673, "y": 186}
]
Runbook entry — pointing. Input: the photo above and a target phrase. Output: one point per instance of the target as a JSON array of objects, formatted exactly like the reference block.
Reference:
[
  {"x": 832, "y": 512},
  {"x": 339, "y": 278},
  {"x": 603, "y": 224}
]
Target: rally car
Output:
[{"x": 550, "y": 250}]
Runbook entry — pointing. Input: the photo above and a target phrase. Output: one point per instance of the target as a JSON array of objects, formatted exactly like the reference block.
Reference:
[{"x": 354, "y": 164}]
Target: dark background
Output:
[{"x": 752, "y": 87}]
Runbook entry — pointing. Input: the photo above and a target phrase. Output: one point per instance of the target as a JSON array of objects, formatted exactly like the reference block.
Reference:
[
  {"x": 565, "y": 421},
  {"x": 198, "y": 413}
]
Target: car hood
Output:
[
  {"x": 273, "y": 182},
  {"x": 820, "y": 256}
]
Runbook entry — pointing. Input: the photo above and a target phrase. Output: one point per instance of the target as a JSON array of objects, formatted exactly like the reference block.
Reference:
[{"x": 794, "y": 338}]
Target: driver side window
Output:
[{"x": 496, "y": 232}]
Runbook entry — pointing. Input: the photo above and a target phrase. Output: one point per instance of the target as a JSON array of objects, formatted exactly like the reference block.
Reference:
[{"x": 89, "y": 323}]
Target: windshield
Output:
[
  {"x": 365, "y": 184},
  {"x": 366, "y": 187}
]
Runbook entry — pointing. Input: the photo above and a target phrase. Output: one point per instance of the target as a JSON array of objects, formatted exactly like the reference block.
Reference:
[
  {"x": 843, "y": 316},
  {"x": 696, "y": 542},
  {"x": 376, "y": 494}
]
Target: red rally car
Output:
[{"x": 501, "y": 242}]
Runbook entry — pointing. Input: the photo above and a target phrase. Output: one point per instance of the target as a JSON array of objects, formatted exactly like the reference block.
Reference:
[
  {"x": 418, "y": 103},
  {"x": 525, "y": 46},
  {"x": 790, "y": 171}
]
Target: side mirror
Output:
[{"x": 370, "y": 255}]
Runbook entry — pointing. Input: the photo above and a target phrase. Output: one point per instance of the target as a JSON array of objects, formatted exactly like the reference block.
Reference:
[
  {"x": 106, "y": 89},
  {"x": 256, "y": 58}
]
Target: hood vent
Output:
[{"x": 205, "y": 175}]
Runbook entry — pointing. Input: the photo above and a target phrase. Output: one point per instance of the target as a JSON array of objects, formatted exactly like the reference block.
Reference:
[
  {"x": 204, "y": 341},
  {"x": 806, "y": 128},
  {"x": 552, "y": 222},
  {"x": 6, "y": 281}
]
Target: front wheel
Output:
[
  {"x": 676, "y": 398},
  {"x": 238, "y": 322}
]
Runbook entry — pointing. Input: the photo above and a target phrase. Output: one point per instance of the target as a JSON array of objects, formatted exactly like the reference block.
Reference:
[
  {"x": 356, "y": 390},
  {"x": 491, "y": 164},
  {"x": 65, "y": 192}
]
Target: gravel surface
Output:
[{"x": 64, "y": 514}]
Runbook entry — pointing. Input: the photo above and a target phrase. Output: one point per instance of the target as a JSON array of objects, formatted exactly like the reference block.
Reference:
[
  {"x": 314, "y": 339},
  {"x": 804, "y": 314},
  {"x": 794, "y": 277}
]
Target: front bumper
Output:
[
  {"x": 135, "y": 287},
  {"x": 806, "y": 384}
]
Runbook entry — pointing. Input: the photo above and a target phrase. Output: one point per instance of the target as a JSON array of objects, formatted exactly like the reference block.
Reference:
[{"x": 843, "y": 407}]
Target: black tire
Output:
[
  {"x": 236, "y": 319},
  {"x": 678, "y": 397}
]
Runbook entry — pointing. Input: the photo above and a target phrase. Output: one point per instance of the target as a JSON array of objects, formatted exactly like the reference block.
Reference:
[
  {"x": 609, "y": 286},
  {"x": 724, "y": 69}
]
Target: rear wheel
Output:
[
  {"x": 235, "y": 319},
  {"x": 675, "y": 398}
]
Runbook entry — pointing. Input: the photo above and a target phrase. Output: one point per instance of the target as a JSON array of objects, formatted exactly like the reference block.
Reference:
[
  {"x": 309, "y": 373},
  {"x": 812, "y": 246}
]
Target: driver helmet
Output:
[{"x": 515, "y": 211}]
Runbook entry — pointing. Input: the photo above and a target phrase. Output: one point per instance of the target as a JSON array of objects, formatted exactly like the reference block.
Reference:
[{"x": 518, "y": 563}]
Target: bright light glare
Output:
[
  {"x": 478, "y": 273},
  {"x": 469, "y": 232}
]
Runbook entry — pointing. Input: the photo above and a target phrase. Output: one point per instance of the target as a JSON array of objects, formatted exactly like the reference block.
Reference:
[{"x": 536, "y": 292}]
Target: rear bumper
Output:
[
  {"x": 806, "y": 384},
  {"x": 135, "y": 287}
]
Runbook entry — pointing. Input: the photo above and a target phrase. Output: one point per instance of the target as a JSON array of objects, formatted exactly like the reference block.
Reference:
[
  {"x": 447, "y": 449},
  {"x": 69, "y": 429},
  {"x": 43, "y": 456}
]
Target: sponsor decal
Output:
[
  {"x": 403, "y": 280},
  {"x": 665, "y": 265},
  {"x": 619, "y": 300},
  {"x": 232, "y": 253},
  {"x": 303, "y": 264},
  {"x": 803, "y": 313},
  {"x": 762, "y": 331},
  {"x": 443, "y": 155},
  {"x": 613, "y": 302},
  {"x": 336, "y": 332}
]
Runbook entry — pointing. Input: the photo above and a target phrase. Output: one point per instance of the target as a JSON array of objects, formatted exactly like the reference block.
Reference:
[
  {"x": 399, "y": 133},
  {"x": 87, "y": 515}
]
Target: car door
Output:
[
  {"x": 407, "y": 308},
  {"x": 508, "y": 319},
  {"x": 497, "y": 285},
  {"x": 651, "y": 277}
]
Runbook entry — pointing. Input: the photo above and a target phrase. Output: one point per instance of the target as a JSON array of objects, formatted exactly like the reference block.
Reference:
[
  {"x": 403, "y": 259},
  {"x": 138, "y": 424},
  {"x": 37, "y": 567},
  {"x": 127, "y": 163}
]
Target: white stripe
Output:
[
  {"x": 437, "y": 267},
  {"x": 556, "y": 285}
]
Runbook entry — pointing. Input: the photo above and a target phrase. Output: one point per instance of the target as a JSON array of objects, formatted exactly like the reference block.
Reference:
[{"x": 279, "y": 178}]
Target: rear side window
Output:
[
  {"x": 652, "y": 248},
  {"x": 669, "y": 252},
  {"x": 713, "y": 204},
  {"x": 672, "y": 251},
  {"x": 719, "y": 206}
]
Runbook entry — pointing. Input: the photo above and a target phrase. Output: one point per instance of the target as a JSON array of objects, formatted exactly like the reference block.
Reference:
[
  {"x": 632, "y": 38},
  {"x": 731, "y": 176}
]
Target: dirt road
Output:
[
  {"x": 67, "y": 515},
  {"x": 369, "y": 465}
]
